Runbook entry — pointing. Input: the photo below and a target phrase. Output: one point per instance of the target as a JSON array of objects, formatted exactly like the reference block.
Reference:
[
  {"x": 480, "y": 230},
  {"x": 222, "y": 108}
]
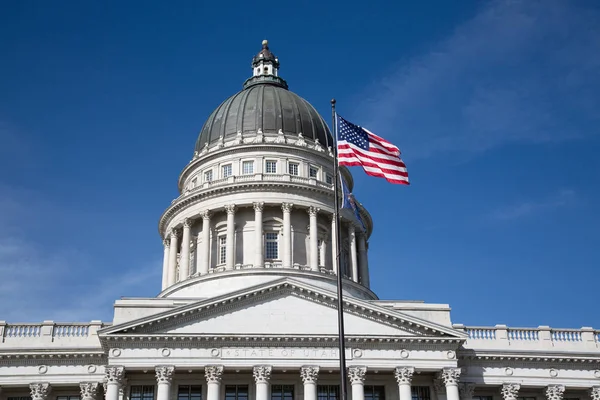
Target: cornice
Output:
[
  {"x": 62, "y": 357},
  {"x": 528, "y": 359}
]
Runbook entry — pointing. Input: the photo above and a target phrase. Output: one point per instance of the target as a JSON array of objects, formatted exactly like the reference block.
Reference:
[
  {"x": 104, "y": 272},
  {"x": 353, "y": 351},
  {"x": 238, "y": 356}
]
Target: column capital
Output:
[
  {"x": 357, "y": 375},
  {"x": 205, "y": 215},
  {"x": 230, "y": 209},
  {"x": 40, "y": 391},
  {"x": 173, "y": 233},
  {"x": 595, "y": 392},
  {"x": 262, "y": 373},
  {"x": 450, "y": 376},
  {"x": 164, "y": 373},
  {"x": 404, "y": 375},
  {"x": 466, "y": 390},
  {"x": 286, "y": 207},
  {"x": 114, "y": 375},
  {"x": 309, "y": 373},
  {"x": 187, "y": 223},
  {"x": 555, "y": 392},
  {"x": 213, "y": 373},
  {"x": 313, "y": 211},
  {"x": 510, "y": 391},
  {"x": 166, "y": 242},
  {"x": 258, "y": 206},
  {"x": 89, "y": 390}
]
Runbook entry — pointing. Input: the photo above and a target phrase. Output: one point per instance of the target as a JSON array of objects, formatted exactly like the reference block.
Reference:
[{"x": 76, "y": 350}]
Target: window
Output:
[
  {"x": 194, "y": 182},
  {"x": 293, "y": 168},
  {"x": 271, "y": 167},
  {"x": 236, "y": 392},
  {"x": 482, "y": 398},
  {"x": 19, "y": 398},
  {"x": 247, "y": 167},
  {"x": 329, "y": 179},
  {"x": 328, "y": 392},
  {"x": 313, "y": 171},
  {"x": 187, "y": 392},
  {"x": 374, "y": 392},
  {"x": 208, "y": 176},
  {"x": 222, "y": 249},
  {"x": 526, "y": 398},
  {"x": 282, "y": 392},
  {"x": 145, "y": 392},
  {"x": 271, "y": 252},
  {"x": 226, "y": 171},
  {"x": 420, "y": 393},
  {"x": 67, "y": 397}
]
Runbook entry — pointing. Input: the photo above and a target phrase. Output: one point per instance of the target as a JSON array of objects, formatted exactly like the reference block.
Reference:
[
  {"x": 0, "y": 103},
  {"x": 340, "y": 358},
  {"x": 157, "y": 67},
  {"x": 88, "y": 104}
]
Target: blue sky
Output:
[{"x": 495, "y": 105}]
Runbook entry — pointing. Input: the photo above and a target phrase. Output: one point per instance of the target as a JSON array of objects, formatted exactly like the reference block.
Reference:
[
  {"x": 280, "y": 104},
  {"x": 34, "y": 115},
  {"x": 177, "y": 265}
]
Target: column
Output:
[
  {"x": 466, "y": 390},
  {"x": 322, "y": 252},
  {"x": 259, "y": 247},
  {"x": 334, "y": 249},
  {"x": 595, "y": 393},
  {"x": 114, "y": 380},
  {"x": 363, "y": 260},
  {"x": 229, "y": 248},
  {"x": 287, "y": 234},
  {"x": 357, "y": 380},
  {"x": 404, "y": 377},
  {"x": 510, "y": 391},
  {"x": 184, "y": 260},
  {"x": 309, "y": 376},
  {"x": 40, "y": 391},
  {"x": 205, "y": 258},
  {"x": 450, "y": 377},
  {"x": 173, "y": 258},
  {"x": 555, "y": 392},
  {"x": 213, "y": 374},
  {"x": 165, "y": 276},
  {"x": 164, "y": 377},
  {"x": 89, "y": 390},
  {"x": 262, "y": 374},
  {"x": 314, "y": 239},
  {"x": 353, "y": 258}
]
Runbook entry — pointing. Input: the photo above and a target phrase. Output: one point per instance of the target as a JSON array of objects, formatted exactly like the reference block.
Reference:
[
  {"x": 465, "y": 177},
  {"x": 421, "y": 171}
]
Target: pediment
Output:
[{"x": 282, "y": 308}]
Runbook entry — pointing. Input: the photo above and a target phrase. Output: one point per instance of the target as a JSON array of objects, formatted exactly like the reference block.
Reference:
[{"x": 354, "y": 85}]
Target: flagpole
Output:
[{"x": 336, "y": 174}]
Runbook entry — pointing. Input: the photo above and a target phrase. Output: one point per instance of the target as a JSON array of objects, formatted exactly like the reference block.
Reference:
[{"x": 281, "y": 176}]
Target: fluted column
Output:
[
  {"x": 309, "y": 376},
  {"x": 314, "y": 239},
  {"x": 229, "y": 246},
  {"x": 165, "y": 274},
  {"x": 287, "y": 234},
  {"x": 173, "y": 258},
  {"x": 184, "y": 260},
  {"x": 205, "y": 258},
  {"x": 555, "y": 392},
  {"x": 114, "y": 380},
  {"x": 595, "y": 393},
  {"x": 40, "y": 391},
  {"x": 164, "y": 377},
  {"x": 357, "y": 380},
  {"x": 363, "y": 260},
  {"x": 353, "y": 257},
  {"x": 510, "y": 391},
  {"x": 404, "y": 377},
  {"x": 213, "y": 375},
  {"x": 450, "y": 376},
  {"x": 334, "y": 248},
  {"x": 89, "y": 390},
  {"x": 262, "y": 374},
  {"x": 466, "y": 390},
  {"x": 259, "y": 247}
]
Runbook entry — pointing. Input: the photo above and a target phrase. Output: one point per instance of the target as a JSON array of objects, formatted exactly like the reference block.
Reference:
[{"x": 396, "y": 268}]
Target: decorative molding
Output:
[
  {"x": 115, "y": 375},
  {"x": 466, "y": 390},
  {"x": 450, "y": 376},
  {"x": 510, "y": 391},
  {"x": 404, "y": 375},
  {"x": 164, "y": 374},
  {"x": 555, "y": 392},
  {"x": 309, "y": 374},
  {"x": 595, "y": 393},
  {"x": 286, "y": 207},
  {"x": 357, "y": 375},
  {"x": 258, "y": 206},
  {"x": 262, "y": 373},
  {"x": 89, "y": 390},
  {"x": 213, "y": 373},
  {"x": 40, "y": 391}
]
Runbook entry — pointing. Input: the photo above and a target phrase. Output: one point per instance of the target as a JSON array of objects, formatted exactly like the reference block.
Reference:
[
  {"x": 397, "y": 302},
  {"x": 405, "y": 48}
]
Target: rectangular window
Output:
[
  {"x": 194, "y": 182},
  {"x": 293, "y": 168},
  {"x": 313, "y": 171},
  {"x": 67, "y": 397},
  {"x": 236, "y": 392},
  {"x": 374, "y": 392},
  {"x": 189, "y": 392},
  {"x": 208, "y": 176},
  {"x": 222, "y": 249},
  {"x": 271, "y": 250},
  {"x": 329, "y": 179},
  {"x": 482, "y": 397},
  {"x": 18, "y": 398},
  {"x": 420, "y": 393},
  {"x": 247, "y": 167},
  {"x": 145, "y": 392},
  {"x": 226, "y": 171},
  {"x": 271, "y": 167},
  {"x": 282, "y": 392},
  {"x": 328, "y": 392},
  {"x": 526, "y": 398}
]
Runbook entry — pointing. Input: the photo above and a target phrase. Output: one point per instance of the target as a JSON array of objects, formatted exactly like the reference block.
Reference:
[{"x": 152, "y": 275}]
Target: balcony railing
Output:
[{"x": 49, "y": 334}]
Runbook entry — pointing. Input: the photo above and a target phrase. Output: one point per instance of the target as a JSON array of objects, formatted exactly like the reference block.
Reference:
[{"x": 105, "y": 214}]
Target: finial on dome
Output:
[{"x": 265, "y": 43}]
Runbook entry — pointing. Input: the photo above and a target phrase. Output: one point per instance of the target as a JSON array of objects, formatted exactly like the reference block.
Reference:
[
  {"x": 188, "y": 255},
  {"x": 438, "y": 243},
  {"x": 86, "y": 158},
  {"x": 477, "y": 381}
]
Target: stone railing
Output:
[
  {"x": 49, "y": 334},
  {"x": 542, "y": 337}
]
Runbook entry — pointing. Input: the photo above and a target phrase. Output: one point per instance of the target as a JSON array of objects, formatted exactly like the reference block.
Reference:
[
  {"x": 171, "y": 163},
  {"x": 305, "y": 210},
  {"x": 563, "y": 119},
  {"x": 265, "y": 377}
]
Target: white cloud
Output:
[{"x": 563, "y": 198}]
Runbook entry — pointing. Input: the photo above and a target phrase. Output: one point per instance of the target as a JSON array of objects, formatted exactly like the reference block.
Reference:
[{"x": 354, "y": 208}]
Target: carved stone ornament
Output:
[
  {"x": 187, "y": 223},
  {"x": 466, "y": 390},
  {"x": 595, "y": 393},
  {"x": 173, "y": 233},
  {"x": 404, "y": 375},
  {"x": 205, "y": 215},
  {"x": 230, "y": 208},
  {"x": 286, "y": 207},
  {"x": 357, "y": 375},
  {"x": 167, "y": 243},
  {"x": 309, "y": 374},
  {"x": 40, "y": 391},
  {"x": 164, "y": 374},
  {"x": 258, "y": 206},
  {"x": 450, "y": 376},
  {"x": 312, "y": 211},
  {"x": 213, "y": 373},
  {"x": 262, "y": 373},
  {"x": 510, "y": 391},
  {"x": 115, "y": 375},
  {"x": 89, "y": 390},
  {"x": 555, "y": 392}
]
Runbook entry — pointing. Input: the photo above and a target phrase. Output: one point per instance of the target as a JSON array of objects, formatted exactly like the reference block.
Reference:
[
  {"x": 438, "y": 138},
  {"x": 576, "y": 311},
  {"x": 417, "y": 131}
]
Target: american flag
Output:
[{"x": 378, "y": 157}]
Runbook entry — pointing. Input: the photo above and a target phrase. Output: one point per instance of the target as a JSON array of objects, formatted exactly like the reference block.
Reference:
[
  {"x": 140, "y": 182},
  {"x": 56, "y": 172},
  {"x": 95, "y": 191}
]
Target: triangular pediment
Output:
[{"x": 282, "y": 308}]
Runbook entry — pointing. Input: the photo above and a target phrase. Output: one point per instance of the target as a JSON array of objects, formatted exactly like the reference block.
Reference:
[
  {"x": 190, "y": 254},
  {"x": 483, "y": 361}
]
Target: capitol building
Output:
[{"x": 248, "y": 307}]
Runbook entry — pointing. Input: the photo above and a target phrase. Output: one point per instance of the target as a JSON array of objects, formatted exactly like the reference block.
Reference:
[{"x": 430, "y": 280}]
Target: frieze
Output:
[{"x": 281, "y": 353}]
